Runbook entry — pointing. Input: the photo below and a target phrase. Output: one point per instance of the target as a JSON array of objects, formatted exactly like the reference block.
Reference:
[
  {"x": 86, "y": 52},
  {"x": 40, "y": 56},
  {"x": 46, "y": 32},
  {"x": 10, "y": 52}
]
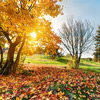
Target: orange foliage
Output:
[{"x": 19, "y": 17}]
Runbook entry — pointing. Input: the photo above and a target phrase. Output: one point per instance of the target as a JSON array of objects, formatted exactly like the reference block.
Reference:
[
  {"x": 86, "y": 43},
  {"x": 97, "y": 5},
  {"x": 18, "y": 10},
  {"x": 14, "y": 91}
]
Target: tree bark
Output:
[
  {"x": 10, "y": 66},
  {"x": 1, "y": 51},
  {"x": 7, "y": 69},
  {"x": 9, "y": 63},
  {"x": 18, "y": 57},
  {"x": 76, "y": 61}
]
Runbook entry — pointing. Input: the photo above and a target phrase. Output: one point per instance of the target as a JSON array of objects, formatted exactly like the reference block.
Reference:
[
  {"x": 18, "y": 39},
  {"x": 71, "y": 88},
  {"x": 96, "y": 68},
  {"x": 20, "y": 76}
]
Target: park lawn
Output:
[
  {"x": 62, "y": 61},
  {"x": 90, "y": 65},
  {"x": 42, "y": 59}
]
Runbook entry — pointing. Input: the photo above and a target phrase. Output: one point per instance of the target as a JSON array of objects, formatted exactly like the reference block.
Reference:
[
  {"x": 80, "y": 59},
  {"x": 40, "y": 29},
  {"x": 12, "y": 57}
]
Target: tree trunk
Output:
[
  {"x": 1, "y": 51},
  {"x": 18, "y": 57},
  {"x": 9, "y": 63},
  {"x": 76, "y": 61},
  {"x": 7, "y": 69}
]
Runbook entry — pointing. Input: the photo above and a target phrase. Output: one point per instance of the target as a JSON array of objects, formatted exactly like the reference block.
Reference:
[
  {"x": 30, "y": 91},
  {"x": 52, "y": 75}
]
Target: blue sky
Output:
[{"x": 80, "y": 9}]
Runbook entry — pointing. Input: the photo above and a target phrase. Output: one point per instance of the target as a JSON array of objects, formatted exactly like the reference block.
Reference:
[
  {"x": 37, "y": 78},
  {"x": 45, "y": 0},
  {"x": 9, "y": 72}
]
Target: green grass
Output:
[
  {"x": 42, "y": 59},
  {"x": 90, "y": 65},
  {"x": 61, "y": 61}
]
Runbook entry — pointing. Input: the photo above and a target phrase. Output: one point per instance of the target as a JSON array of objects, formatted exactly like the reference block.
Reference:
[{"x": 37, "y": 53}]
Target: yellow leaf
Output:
[
  {"x": 21, "y": 96},
  {"x": 46, "y": 54},
  {"x": 1, "y": 98},
  {"x": 17, "y": 98},
  {"x": 41, "y": 95},
  {"x": 50, "y": 92}
]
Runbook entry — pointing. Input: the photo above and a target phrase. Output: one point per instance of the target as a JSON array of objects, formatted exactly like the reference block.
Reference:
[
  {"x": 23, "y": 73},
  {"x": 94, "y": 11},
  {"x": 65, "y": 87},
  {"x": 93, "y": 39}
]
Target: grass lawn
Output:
[
  {"x": 62, "y": 61},
  {"x": 42, "y": 59}
]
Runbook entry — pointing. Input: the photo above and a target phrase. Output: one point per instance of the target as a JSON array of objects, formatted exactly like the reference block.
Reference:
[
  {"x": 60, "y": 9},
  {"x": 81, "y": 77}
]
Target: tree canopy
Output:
[{"x": 19, "y": 18}]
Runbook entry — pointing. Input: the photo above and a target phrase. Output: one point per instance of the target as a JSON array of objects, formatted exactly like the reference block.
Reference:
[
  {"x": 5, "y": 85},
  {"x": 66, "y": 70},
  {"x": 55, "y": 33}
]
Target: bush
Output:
[{"x": 89, "y": 59}]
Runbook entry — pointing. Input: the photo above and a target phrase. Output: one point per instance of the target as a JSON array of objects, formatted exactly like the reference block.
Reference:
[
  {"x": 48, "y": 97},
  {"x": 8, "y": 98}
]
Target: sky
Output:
[{"x": 80, "y": 9}]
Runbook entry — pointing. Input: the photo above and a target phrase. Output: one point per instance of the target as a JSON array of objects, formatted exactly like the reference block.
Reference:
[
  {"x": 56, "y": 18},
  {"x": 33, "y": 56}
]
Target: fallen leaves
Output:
[{"x": 50, "y": 83}]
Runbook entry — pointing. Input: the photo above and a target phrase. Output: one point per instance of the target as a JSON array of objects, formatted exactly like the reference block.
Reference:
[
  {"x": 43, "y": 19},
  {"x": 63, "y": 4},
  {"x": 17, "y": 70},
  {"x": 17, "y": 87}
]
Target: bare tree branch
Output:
[{"x": 77, "y": 36}]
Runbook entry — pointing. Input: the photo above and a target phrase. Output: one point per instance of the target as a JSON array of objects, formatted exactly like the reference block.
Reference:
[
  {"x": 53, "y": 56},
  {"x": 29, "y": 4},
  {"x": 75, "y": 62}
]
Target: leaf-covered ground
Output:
[{"x": 39, "y": 82}]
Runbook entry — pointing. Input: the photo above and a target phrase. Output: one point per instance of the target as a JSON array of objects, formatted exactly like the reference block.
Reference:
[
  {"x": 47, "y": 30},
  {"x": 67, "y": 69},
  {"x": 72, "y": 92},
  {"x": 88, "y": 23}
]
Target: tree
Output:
[
  {"x": 76, "y": 37},
  {"x": 97, "y": 46},
  {"x": 19, "y": 18},
  {"x": 2, "y": 44}
]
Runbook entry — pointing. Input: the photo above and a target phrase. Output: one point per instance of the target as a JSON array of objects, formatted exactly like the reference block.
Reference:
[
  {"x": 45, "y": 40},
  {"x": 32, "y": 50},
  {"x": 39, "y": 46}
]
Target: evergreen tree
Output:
[{"x": 97, "y": 46}]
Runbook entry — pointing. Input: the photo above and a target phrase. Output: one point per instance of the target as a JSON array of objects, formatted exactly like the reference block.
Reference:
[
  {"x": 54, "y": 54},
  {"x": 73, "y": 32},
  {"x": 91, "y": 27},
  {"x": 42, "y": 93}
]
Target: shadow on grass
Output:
[
  {"x": 62, "y": 60},
  {"x": 82, "y": 64}
]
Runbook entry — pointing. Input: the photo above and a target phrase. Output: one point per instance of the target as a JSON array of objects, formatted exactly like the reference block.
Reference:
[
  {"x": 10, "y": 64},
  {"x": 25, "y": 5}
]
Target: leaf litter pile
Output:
[{"x": 42, "y": 82}]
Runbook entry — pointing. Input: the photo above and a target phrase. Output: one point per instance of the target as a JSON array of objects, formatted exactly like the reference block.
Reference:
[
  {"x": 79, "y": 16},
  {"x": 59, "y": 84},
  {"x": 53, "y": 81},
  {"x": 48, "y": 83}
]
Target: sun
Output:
[
  {"x": 6, "y": 45},
  {"x": 33, "y": 34}
]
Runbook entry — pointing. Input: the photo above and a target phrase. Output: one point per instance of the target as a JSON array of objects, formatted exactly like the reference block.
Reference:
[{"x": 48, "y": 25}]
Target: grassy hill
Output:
[{"x": 62, "y": 61}]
